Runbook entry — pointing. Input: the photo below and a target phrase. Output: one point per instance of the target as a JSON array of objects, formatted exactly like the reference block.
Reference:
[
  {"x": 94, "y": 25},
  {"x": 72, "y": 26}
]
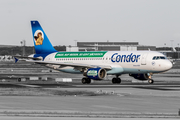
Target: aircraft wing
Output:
[{"x": 66, "y": 64}]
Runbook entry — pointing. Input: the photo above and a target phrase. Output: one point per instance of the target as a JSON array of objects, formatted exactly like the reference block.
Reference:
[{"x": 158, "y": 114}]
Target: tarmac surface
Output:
[
  {"x": 130, "y": 100},
  {"x": 115, "y": 103},
  {"x": 77, "y": 118}
]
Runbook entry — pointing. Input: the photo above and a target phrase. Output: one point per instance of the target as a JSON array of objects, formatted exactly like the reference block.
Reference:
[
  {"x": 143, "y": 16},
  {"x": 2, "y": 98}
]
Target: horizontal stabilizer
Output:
[
  {"x": 22, "y": 58},
  {"x": 16, "y": 60}
]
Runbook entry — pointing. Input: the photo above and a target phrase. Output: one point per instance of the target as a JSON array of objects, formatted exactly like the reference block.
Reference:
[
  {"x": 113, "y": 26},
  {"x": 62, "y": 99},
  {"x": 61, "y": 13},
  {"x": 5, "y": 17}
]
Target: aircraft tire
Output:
[
  {"x": 88, "y": 81},
  {"x": 118, "y": 80},
  {"x": 150, "y": 81},
  {"x": 114, "y": 80},
  {"x": 19, "y": 79},
  {"x": 84, "y": 81}
]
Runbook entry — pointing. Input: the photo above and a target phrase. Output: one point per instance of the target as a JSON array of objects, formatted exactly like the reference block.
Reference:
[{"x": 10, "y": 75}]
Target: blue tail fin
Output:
[{"x": 41, "y": 42}]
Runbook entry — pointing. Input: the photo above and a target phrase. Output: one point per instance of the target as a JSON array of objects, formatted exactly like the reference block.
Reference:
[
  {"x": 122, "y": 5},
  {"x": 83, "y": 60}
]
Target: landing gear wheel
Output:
[
  {"x": 19, "y": 79},
  {"x": 116, "y": 80},
  {"x": 83, "y": 80},
  {"x": 86, "y": 80},
  {"x": 150, "y": 81}
]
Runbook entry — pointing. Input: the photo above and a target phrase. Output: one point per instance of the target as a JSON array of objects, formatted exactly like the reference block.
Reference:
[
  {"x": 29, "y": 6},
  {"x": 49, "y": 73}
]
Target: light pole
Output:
[
  {"x": 172, "y": 44},
  {"x": 164, "y": 47},
  {"x": 178, "y": 50},
  {"x": 23, "y": 44},
  {"x": 12, "y": 52},
  {"x": 75, "y": 42}
]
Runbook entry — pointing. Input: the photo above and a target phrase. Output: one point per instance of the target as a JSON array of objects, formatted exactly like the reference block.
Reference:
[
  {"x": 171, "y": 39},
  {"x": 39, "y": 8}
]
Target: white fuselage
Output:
[{"x": 121, "y": 62}]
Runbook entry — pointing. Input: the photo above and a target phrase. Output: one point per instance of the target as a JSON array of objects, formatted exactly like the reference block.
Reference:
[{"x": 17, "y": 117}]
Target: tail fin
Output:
[{"x": 41, "y": 42}]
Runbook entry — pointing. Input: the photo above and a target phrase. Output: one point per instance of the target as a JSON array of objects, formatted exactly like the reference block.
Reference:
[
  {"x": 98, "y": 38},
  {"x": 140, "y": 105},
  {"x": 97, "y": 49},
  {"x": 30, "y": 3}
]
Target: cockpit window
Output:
[
  {"x": 162, "y": 57},
  {"x": 159, "y": 58},
  {"x": 154, "y": 58}
]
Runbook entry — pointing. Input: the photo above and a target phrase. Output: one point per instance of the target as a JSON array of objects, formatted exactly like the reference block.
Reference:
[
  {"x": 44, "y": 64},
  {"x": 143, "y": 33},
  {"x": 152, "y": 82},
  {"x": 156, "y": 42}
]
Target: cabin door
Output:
[{"x": 143, "y": 59}]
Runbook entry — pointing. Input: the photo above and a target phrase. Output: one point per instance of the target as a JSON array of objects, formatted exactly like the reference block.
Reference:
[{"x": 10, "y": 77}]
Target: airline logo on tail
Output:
[
  {"x": 41, "y": 42},
  {"x": 38, "y": 37}
]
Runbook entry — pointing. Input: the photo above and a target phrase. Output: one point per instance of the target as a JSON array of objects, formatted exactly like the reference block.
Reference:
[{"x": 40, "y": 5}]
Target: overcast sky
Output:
[{"x": 149, "y": 22}]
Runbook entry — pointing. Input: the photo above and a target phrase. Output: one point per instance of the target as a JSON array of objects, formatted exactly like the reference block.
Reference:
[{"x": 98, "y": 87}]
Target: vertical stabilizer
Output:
[{"x": 42, "y": 44}]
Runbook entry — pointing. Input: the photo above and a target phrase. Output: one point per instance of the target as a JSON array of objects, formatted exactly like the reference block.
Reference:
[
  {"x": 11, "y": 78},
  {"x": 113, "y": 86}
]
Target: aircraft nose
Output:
[{"x": 169, "y": 65}]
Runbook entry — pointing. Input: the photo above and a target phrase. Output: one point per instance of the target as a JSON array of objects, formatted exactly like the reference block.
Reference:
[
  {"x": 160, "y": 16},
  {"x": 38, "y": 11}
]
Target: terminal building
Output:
[
  {"x": 123, "y": 46},
  {"x": 111, "y": 46}
]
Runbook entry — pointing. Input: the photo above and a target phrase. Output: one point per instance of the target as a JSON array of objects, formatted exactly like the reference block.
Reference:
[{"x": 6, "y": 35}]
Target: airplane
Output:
[{"x": 96, "y": 65}]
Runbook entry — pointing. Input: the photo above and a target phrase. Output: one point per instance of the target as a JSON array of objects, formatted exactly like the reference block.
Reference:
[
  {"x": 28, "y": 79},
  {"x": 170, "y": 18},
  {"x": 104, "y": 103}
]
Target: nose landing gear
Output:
[{"x": 150, "y": 81}]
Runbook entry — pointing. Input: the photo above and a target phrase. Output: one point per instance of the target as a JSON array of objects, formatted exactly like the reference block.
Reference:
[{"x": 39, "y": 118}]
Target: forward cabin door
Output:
[{"x": 143, "y": 60}]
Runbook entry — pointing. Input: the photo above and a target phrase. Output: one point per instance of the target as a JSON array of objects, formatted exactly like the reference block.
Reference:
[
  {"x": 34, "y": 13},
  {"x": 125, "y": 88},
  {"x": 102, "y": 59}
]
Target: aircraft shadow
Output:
[{"x": 159, "y": 88}]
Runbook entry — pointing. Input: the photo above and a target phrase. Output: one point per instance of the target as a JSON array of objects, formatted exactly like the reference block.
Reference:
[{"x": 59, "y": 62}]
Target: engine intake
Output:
[{"x": 96, "y": 73}]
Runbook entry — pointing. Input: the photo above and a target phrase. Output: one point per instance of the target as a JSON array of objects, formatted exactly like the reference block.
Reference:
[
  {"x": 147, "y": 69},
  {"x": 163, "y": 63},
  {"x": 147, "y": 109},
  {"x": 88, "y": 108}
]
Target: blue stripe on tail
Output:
[{"x": 41, "y": 42}]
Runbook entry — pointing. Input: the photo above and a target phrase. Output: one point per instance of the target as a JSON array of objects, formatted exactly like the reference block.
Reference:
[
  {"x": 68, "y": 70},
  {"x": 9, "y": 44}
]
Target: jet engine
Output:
[
  {"x": 96, "y": 73},
  {"x": 145, "y": 76}
]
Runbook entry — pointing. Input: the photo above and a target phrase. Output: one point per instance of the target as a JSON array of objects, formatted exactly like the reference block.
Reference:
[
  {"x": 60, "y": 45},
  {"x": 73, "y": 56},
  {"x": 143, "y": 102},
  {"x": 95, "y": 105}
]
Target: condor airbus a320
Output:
[{"x": 96, "y": 65}]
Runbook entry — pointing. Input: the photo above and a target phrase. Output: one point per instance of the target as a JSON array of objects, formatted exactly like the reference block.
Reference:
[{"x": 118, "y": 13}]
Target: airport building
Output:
[
  {"x": 170, "y": 52},
  {"x": 123, "y": 46},
  {"x": 110, "y": 46}
]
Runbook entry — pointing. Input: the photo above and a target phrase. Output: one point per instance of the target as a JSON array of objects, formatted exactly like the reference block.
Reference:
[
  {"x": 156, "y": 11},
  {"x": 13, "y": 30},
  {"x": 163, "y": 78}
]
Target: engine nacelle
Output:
[
  {"x": 145, "y": 76},
  {"x": 96, "y": 73}
]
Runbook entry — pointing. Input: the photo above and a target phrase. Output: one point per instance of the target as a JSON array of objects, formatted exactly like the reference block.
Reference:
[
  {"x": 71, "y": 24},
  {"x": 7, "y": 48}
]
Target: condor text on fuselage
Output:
[{"x": 124, "y": 58}]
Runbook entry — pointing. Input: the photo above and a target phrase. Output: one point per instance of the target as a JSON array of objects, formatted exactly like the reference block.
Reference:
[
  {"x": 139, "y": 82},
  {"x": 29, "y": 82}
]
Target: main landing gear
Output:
[
  {"x": 86, "y": 80},
  {"x": 116, "y": 80},
  {"x": 150, "y": 81}
]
